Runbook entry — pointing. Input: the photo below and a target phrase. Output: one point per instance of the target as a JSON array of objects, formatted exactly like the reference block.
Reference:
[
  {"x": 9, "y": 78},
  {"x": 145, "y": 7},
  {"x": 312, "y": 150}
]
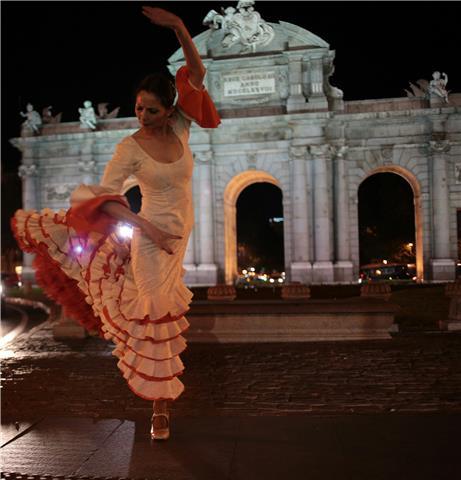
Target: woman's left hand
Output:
[{"x": 162, "y": 17}]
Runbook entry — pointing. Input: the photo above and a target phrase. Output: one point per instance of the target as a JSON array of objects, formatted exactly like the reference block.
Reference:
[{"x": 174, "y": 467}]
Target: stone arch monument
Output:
[{"x": 283, "y": 122}]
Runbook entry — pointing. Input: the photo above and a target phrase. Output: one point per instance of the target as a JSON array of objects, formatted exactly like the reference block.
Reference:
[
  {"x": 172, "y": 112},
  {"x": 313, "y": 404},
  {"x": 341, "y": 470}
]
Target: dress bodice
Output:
[{"x": 166, "y": 188}]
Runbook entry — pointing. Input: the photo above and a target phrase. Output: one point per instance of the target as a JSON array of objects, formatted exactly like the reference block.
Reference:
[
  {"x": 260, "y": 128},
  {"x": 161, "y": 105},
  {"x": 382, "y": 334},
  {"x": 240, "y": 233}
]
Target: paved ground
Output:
[{"x": 372, "y": 409}]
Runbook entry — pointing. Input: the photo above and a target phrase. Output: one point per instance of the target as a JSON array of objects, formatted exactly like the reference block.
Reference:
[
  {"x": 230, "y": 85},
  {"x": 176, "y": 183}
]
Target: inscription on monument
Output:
[{"x": 248, "y": 83}]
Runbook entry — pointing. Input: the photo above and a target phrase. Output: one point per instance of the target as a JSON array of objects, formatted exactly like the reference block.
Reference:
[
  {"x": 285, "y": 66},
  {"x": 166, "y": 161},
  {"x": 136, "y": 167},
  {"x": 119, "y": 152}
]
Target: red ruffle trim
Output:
[
  {"x": 196, "y": 104},
  {"x": 148, "y": 377},
  {"x": 120, "y": 340},
  {"x": 144, "y": 397},
  {"x": 88, "y": 217},
  {"x": 56, "y": 284},
  {"x": 147, "y": 338}
]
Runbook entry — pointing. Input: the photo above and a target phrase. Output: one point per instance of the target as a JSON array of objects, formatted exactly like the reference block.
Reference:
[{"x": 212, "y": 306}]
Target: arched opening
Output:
[
  {"x": 260, "y": 230},
  {"x": 231, "y": 193},
  {"x": 390, "y": 229},
  {"x": 132, "y": 192},
  {"x": 134, "y": 198}
]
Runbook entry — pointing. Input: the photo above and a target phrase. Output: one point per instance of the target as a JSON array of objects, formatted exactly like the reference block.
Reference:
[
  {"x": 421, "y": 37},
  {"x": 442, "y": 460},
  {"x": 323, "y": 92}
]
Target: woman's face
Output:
[{"x": 150, "y": 111}]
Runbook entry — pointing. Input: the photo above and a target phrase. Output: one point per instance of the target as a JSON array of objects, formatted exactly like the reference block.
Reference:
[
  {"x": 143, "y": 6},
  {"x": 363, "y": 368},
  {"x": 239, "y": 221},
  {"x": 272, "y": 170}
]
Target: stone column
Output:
[
  {"x": 301, "y": 268},
  {"x": 317, "y": 98},
  {"x": 28, "y": 172},
  {"x": 296, "y": 99},
  {"x": 207, "y": 270},
  {"x": 343, "y": 266},
  {"x": 323, "y": 266},
  {"x": 443, "y": 267},
  {"x": 87, "y": 165}
]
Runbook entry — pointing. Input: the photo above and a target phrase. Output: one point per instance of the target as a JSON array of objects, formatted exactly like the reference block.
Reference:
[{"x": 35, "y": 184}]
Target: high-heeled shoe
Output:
[{"x": 160, "y": 433}]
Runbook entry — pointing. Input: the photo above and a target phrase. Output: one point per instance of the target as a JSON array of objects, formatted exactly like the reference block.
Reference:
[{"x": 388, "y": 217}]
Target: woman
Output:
[{"x": 133, "y": 293}]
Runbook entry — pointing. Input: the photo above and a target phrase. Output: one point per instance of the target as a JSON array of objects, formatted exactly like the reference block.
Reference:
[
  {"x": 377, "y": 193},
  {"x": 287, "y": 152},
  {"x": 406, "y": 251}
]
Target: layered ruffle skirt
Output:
[{"x": 90, "y": 275}]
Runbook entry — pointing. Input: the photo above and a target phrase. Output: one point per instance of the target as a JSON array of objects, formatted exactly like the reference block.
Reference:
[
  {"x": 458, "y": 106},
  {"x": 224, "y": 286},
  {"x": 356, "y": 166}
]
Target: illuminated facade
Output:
[{"x": 283, "y": 123}]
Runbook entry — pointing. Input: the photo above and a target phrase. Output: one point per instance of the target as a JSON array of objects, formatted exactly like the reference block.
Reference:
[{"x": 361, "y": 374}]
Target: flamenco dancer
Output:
[{"x": 133, "y": 292}]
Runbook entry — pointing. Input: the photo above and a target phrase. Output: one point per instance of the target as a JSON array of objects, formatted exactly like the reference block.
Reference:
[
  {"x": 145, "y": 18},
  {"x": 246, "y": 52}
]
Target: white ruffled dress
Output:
[{"x": 132, "y": 291}]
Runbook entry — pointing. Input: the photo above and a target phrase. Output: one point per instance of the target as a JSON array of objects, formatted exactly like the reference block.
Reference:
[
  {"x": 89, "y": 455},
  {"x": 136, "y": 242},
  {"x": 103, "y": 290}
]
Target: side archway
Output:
[
  {"x": 231, "y": 193},
  {"x": 416, "y": 189}
]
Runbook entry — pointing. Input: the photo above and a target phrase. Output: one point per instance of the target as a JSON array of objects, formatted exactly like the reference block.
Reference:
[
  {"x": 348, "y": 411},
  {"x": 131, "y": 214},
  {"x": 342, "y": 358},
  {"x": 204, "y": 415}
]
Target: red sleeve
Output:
[
  {"x": 88, "y": 217},
  {"x": 196, "y": 104}
]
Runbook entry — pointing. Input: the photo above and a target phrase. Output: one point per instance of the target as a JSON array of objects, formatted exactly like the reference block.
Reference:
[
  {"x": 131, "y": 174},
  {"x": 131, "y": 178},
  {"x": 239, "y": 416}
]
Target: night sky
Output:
[{"x": 62, "y": 53}]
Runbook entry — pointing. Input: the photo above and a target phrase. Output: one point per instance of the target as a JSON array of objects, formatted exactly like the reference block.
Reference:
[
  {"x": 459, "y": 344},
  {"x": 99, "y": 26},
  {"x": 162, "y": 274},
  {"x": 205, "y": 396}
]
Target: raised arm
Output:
[{"x": 194, "y": 63}]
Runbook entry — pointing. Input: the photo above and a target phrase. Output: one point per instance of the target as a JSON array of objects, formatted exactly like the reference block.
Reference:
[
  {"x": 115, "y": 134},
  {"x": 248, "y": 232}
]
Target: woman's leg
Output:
[{"x": 160, "y": 406}]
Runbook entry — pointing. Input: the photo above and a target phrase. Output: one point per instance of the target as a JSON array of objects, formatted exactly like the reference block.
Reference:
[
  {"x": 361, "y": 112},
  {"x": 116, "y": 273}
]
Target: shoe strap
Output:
[{"x": 165, "y": 415}]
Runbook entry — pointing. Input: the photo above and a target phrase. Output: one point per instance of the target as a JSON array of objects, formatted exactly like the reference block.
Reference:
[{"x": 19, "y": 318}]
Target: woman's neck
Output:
[{"x": 162, "y": 131}]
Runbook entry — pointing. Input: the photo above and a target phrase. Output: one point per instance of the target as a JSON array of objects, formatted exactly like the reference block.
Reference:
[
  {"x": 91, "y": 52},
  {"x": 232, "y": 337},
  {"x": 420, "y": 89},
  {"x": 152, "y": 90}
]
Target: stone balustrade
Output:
[
  {"x": 295, "y": 291},
  {"x": 453, "y": 292},
  {"x": 221, "y": 292},
  {"x": 376, "y": 290}
]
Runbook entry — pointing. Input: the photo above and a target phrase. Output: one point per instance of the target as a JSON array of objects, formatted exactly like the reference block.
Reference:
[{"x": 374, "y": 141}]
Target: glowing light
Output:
[
  {"x": 360, "y": 280},
  {"x": 280, "y": 280},
  {"x": 125, "y": 231},
  {"x": 6, "y": 353},
  {"x": 378, "y": 272},
  {"x": 78, "y": 249},
  {"x": 410, "y": 245},
  {"x": 252, "y": 269},
  {"x": 271, "y": 280},
  {"x": 18, "y": 269},
  {"x": 385, "y": 262},
  {"x": 19, "y": 284},
  {"x": 244, "y": 272}
]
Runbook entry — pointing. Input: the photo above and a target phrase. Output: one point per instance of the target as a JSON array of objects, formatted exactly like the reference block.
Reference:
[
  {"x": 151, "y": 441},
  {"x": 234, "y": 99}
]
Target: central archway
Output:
[{"x": 231, "y": 194}]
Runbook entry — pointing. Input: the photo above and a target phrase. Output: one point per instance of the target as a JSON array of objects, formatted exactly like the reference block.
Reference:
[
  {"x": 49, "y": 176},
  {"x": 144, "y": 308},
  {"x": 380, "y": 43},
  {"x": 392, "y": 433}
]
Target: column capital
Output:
[
  {"x": 339, "y": 151},
  {"x": 298, "y": 152},
  {"x": 25, "y": 171},
  {"x": 203, "y": 156},
  {"x": 323, "y": 150},
  {"x": 438, "y": 146}
]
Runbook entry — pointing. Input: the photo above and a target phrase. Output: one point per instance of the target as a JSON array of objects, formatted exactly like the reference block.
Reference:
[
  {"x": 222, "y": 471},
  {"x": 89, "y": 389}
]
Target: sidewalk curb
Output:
[{"x": 19, "y": 302}]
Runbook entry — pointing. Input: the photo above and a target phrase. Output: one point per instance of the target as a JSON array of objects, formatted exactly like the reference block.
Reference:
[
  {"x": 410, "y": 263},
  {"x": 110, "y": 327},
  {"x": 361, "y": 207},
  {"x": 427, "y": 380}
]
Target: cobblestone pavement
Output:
[{"x": 406, "y": 374}]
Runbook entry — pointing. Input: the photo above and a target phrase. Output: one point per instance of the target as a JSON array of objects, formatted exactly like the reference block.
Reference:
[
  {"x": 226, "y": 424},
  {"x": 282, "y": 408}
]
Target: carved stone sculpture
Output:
[
  {"x": 437, "y": 86},
  {"x": 33, "y": 120},
  {"x": 244, "y": 26},
  {"x": 48, "y": 117},
  {"x": 103, "y": 112},
  {"x": 87, "y": 116},
  {"x": 330, "y": 90}
]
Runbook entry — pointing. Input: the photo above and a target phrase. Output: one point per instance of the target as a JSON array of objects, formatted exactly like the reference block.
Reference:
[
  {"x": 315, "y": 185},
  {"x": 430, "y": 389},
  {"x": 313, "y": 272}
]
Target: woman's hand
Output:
[
  {"x": 162, "y": 17},
  {"x": 159, "y": 237}
]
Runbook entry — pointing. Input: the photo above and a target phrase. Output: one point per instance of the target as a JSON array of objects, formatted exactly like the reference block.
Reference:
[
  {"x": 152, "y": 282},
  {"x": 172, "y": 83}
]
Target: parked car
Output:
[{"x": 375, "y": 272}]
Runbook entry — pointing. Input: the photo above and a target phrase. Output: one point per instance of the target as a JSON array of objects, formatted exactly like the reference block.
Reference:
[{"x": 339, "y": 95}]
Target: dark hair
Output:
[{"x": 159, "y": 85}]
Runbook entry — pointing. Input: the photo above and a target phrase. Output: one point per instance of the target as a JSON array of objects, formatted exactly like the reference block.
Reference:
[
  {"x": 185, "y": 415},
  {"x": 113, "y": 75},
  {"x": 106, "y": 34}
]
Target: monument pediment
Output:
[
  {"x": 254, "y": 63},
  {"x": 245, "y": 33}
]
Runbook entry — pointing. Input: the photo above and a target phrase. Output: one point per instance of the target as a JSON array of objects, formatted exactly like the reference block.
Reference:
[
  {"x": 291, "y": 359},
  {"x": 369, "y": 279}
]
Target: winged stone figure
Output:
[{"x": 104, "y": 112}]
